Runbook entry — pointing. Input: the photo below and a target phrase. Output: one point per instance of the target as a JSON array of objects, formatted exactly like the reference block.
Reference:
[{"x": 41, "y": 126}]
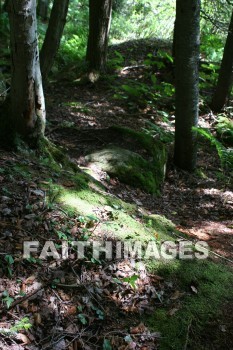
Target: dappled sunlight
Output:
[
  {"x": 72, "y": 200},
  {"x": 106, "y": 241}
]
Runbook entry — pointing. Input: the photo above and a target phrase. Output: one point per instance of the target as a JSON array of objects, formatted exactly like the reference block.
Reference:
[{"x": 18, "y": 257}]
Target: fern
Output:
[
  {"x": 158, "y": 132},
  {"x": 225, "y": 154},
  {"x": 225, "y": 129}
]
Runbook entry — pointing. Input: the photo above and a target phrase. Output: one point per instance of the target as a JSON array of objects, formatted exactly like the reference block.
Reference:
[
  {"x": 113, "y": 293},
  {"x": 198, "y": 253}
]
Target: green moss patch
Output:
[
  {"x": 184, "y": 322},
  {"x": 140, "y": 162}
]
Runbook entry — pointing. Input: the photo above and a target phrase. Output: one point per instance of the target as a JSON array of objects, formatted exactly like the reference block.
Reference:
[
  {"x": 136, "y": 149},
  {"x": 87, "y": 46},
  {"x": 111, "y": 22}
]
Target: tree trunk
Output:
[
  {"x": 53, "y": 35},
  {"x": 225, "y": 77},
  {"x": 174, "y": 42},
  {"x": 26, "y": 105},
  {"x": 42, "y": 9},
  {"x": 5, "y": 6},
  {"x": 187, "y": 45},
  {"x": 99, "y": 26}
]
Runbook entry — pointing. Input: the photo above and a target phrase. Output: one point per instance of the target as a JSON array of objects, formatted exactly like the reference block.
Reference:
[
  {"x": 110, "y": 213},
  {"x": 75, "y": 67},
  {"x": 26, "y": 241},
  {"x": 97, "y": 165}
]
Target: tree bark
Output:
[
  {"x": 225, "y": 78},
  {"x": 42, "y": 9},
  {"x": 26, "y": 105},
  {"x": 4, "y": 6},
  {"x": 99, "y": 25},
  {"x": 174, "y": 42},
  {"x": 53, "y": 35},
  {"x": 187, "y": 45}
]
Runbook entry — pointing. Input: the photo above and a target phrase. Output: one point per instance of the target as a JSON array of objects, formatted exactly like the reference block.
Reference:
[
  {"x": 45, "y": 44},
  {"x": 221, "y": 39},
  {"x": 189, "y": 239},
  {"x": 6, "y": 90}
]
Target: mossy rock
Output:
[{"x": 130, "y": 167}]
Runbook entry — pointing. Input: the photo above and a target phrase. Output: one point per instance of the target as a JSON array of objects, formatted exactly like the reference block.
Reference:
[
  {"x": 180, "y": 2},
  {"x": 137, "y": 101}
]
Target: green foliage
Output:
[
  {"x": 215, "y": 17},
  {"x": 72, "y": 47},
  {"x": 74, "y": 40},
  {"x": 160, "y": 60},
  {"x": 225, "y": 154},
  {"x": 158, "y": 132},
  {"x": 224, "y": 129},
  {"x": 208, "y": 75},
  {"x": 7, "y": 299},
  {"x": 23, "y": 324},
  {"x": 141, "y": 19},
  {"x": 116, "y": 62},
  {"x": 138, "y": 94},
  {"x": 131, "y": 280},
  {"x": 211, "y": 46},
  {"x": 4, "y": 25},
  {"x": 142, "y": 95},
  {"x": 83, "y": 319},
  {"x": 41, "y": 27},
  {"x": 107, "y": 345},
  {"x": 9, "y": 264}
]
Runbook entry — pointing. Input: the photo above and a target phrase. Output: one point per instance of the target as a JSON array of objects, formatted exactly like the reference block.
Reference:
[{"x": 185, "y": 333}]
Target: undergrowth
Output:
[{"x": 225, "y": 154}]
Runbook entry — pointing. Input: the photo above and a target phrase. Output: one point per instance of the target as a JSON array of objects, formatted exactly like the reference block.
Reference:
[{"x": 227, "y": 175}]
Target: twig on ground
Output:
[{"x": 21, "y": 300}]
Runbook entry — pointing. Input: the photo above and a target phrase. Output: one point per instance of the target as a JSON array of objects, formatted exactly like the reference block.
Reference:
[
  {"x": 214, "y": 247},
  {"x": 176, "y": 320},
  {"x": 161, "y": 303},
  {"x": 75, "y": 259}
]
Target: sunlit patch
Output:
[{"x": 73, "y": 200}]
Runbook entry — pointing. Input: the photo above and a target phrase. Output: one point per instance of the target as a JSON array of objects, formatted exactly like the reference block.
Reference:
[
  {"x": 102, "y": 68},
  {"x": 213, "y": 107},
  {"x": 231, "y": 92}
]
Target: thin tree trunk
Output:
[
  {"x": 174, "y": 41},
  {"x": 5, "y": 5},
  {"x": 225, "y": 77},
  {"x": 99, "y": 25},
  {"x": 27, "y": 106},
  {"x": 53, "y": 35},
  {"x": 42, "y": 9},
  {"x": 186, "y": 75}
]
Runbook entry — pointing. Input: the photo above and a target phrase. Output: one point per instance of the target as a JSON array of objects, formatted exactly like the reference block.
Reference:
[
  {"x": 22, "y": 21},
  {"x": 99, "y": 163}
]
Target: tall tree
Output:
[
  {"x": 174, "y": 41},
  {"x": 186, "y": 80},
  {"x": 4, "y": 5},
  {"x": 53, "y": 35},
  {"x": 225, "y": 78},
  {"x": 26, "y": 106},
  {"x": 42, "y": 9},
  {"x": 99, "y": 26}
]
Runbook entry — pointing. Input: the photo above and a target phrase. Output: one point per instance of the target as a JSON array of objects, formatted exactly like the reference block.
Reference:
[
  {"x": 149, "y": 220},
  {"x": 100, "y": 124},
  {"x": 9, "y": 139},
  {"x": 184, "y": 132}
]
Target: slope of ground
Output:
[{"x": 119, "y": 303}]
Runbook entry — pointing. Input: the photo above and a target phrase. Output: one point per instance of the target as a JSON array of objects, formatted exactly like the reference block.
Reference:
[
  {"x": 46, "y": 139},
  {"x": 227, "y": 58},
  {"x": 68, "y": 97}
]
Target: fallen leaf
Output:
[
  {"x": 194, "y": 289},
  {"x": 30, "y": 279},
  {"x": 24, "y": 339},
  {"x": 71, "y": 310},
  {"x": 138, "y": 329}
]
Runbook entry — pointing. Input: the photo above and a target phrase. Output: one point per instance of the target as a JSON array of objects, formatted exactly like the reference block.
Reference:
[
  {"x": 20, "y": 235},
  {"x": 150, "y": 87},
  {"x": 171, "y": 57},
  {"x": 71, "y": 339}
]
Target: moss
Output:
[
  {"x": 159, "y": 223},
  {"x": 22, "y": 170},
  {"x": 156, "y": 150},
  {"x": 55, "y": 155},
  {"x": 122, "y": 223},
  {"x": 213, "y": 283},
  {"x": 129, "y": 167},
  {"x": 154, "y": 147}
]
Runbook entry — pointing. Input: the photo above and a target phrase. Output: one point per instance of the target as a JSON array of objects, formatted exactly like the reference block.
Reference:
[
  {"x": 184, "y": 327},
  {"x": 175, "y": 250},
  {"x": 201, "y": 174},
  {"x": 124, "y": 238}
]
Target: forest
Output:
[{"x": 116, "y": 167}]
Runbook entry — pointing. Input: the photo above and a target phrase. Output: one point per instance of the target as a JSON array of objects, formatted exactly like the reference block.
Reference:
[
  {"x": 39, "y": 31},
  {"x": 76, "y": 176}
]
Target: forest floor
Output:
[
  {"x": 99, "y": 304},
  {"x": 200, "y": 203}
]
